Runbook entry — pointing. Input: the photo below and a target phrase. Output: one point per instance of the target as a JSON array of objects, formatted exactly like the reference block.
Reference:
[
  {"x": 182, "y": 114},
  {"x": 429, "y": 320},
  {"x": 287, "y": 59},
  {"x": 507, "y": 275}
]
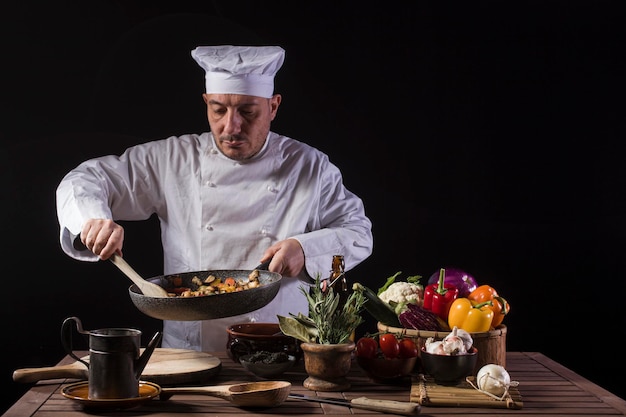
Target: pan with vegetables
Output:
[{"x": 206, "y": 295}]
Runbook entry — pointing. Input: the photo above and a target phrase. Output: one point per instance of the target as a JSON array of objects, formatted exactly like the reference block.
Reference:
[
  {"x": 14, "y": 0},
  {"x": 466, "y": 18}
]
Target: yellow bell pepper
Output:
[{"x": 470, "y": 316}]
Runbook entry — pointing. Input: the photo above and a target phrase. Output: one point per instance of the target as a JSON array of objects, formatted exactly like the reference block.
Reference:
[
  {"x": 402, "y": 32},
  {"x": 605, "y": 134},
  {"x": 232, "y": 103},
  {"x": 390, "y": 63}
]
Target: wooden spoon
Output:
[
  {"x": 146, "y": 287},
  {"x": 247, "y": 394}
]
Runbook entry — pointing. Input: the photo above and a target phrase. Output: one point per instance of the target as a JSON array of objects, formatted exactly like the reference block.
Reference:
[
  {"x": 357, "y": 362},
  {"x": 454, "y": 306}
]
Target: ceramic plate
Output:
[{"x": 80, "y": 392}]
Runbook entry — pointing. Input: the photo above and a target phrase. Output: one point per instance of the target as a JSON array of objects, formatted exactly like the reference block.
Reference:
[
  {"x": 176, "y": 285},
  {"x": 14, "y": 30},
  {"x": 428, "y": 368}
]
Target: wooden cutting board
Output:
[{"x": 165, "y": 367}]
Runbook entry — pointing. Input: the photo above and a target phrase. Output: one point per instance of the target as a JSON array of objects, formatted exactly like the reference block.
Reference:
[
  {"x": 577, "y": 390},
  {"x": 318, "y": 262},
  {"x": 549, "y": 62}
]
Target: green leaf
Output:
[
  {"x": 390, "y": 281},
  {"x": 414, "y": 279},
  {"x": 294, "y": 328},
  {"x": 304, "y": 320}
]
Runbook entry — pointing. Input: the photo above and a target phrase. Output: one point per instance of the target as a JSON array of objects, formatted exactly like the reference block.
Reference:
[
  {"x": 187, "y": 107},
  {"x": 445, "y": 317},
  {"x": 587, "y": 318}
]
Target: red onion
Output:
[{"x": 457, "y": 277}]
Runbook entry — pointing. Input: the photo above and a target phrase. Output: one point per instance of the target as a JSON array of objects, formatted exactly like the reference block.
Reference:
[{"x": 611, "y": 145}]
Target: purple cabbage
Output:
[
  {"x": 416, "y": 317},
  {"x": 457, "y": 277}
]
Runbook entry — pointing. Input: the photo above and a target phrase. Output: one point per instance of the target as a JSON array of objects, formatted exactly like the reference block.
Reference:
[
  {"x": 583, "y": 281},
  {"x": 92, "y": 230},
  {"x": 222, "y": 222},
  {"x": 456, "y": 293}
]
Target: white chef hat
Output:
[{"x": 247, "y": 70}]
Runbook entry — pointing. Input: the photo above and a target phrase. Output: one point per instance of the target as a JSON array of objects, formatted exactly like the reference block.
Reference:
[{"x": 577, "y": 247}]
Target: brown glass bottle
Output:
[
  {"x": 339, "y": 283},
  {"x": 337, "y": 280}
]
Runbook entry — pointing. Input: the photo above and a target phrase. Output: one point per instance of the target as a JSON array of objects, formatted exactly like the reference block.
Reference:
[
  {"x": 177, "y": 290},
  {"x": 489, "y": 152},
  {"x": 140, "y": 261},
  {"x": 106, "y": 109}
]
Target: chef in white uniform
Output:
[{"x": 226, "y": 199}]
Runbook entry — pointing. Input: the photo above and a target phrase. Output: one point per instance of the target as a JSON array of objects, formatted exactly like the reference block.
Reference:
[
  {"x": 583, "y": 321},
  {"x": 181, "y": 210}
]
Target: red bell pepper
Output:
[{"x": 438, "y": 297}]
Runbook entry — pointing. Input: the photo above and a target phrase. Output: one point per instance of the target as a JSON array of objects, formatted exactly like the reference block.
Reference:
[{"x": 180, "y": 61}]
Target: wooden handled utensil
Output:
[
  {"x": 247, "y": 394},
  {"x": 364, "y": 403},
  {"x": 147, "y": 288}
]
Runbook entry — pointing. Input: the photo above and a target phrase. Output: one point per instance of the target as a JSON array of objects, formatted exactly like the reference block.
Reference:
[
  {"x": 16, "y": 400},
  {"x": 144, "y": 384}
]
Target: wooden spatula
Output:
[{"x": 146, "y": 287}]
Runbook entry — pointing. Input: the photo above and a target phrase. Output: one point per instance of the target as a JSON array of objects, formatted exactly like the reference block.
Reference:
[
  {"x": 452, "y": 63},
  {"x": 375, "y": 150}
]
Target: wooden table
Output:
[{"x": 547, "y": 389}]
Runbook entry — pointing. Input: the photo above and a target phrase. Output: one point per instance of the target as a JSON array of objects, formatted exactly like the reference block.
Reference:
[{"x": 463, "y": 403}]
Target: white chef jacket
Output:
[{"x": 218, "y": 213}]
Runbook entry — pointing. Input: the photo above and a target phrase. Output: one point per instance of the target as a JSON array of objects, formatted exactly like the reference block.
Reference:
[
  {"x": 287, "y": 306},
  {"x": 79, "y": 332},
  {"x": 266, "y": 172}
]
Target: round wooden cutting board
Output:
[
  {"x": 165, "y": 367},
  {"x": 180, "y": 366}
]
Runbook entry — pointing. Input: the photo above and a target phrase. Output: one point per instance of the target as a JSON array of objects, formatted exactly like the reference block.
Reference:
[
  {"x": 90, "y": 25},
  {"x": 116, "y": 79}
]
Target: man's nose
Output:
[{"x": 233, "y": 123}]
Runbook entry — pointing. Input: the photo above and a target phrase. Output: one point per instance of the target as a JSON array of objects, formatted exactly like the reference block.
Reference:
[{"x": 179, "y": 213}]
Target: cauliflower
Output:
[{"x": 401, "y": 293}]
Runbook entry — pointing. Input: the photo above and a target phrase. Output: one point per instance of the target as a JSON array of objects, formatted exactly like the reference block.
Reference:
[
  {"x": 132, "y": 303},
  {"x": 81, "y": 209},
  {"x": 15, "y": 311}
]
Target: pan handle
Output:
[
  {"x": 264, "y": 265},
  {"x": 305, "y": 277}
]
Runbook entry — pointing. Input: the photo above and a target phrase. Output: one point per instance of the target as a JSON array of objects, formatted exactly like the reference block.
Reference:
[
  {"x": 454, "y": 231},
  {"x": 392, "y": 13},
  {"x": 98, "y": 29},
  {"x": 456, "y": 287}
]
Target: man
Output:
[{"x": 225, "y": 199}]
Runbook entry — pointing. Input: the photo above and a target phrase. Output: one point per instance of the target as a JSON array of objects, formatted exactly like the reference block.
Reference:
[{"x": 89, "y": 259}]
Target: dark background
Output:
[{"x": 486, "y": 135}]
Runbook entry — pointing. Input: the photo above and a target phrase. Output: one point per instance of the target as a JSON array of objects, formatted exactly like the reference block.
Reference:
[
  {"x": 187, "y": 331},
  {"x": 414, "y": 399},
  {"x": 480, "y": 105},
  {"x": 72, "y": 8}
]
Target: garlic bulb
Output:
[
  {"x": 458, "y": 342},
  {"x": 467, "y": 338},
  {"x": 434, "y": 346}
]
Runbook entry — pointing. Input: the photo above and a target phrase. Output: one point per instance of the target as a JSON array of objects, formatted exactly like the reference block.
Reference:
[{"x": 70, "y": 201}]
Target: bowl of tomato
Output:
[{"x": 386, "y": 356}]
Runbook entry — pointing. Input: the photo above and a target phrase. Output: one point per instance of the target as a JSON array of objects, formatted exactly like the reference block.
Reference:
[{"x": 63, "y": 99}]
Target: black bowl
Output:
[{"x": 449, "y": 369}]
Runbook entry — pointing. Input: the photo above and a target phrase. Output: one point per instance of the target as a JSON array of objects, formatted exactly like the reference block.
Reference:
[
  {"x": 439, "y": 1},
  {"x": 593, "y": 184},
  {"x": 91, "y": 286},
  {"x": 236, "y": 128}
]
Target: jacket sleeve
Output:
[
  {"x": 343, "y": 229},
  {"x": 108, "y": 187}
]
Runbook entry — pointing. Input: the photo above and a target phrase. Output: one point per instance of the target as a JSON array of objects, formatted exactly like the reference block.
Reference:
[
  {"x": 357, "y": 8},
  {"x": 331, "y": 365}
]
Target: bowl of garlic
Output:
[{"x": 450, "y": 360}]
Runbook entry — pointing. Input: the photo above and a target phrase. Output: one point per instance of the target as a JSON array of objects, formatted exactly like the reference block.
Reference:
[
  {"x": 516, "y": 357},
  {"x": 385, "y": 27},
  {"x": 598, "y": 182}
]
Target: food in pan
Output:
[{"x": 212, "y": 285}]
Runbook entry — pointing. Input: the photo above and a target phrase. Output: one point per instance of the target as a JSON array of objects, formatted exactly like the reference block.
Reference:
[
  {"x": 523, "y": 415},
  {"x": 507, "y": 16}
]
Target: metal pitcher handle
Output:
[
  {"x": 66, "y": 337},
  {"x": 141, "y": 363}
]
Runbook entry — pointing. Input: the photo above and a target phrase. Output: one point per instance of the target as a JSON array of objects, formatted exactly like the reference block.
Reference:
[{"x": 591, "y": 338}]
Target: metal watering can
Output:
[{"x": 115, "y": 364}]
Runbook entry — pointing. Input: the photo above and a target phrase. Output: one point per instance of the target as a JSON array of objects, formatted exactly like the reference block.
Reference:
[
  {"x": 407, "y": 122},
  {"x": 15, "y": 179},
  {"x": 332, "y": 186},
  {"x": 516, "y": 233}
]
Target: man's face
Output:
[{"x": 240, "y": 124}]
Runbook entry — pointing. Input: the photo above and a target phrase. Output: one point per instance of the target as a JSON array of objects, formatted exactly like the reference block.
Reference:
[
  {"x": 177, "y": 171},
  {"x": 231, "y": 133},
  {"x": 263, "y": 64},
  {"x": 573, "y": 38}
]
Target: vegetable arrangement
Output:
[{"x": 452, "y": 298}]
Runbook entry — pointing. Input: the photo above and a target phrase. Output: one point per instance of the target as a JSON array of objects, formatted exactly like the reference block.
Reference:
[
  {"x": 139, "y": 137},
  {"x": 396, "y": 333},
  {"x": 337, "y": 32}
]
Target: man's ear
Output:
[{"x": 275, "y": 103}]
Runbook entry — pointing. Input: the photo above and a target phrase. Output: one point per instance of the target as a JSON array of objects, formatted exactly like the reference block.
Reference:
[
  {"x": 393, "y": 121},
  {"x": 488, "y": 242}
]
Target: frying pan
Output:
[{"x": 206, "y": 307}]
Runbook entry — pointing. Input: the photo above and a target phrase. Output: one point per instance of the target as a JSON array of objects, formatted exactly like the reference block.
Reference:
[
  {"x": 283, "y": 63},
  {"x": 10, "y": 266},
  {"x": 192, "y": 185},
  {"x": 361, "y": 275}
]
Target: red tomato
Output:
[
  {"x": 408, "y": 349},
  {"x": 366, "y": 347},
  {"x": 389, "y": 345}
]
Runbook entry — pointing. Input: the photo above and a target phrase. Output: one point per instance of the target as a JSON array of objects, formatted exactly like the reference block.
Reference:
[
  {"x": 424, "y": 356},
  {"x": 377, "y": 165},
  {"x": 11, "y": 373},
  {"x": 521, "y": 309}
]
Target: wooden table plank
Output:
[{"x": 547, "y": 389}]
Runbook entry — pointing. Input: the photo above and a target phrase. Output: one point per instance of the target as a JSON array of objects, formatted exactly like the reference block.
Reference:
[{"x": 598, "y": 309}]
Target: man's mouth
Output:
[{"x": 232, "y": 141}]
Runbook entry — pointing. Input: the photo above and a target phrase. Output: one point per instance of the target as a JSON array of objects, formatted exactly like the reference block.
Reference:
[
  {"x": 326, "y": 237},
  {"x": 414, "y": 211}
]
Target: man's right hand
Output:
[{"x": 103, "y": 237}]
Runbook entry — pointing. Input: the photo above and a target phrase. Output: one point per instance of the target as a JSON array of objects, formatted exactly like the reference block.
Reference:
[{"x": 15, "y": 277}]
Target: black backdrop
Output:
[{"x": 485, "y": 135}]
